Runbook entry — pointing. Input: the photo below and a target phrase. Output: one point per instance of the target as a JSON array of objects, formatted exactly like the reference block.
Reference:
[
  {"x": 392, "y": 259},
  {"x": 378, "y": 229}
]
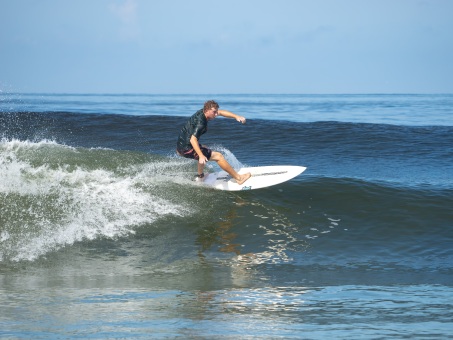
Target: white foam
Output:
[{"x": 49, "y": 206}]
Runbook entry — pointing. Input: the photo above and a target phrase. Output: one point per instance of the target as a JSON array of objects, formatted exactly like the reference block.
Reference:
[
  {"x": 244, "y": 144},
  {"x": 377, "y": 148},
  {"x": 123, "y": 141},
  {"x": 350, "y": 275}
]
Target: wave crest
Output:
[{"x": 53, "y": 195}]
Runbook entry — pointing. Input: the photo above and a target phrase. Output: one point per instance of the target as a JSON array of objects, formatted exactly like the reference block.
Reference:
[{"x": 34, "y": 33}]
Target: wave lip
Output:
[{"x": 54, "y": 195}]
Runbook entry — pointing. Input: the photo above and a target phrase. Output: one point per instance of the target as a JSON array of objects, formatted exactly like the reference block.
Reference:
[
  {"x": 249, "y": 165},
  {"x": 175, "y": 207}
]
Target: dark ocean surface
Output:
[{"x": 104, "y": 234}]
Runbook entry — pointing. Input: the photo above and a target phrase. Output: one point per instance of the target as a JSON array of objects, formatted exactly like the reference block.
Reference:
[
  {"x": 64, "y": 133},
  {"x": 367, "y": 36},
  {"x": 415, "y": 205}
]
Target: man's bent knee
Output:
[{"x": 216, "y": 156}]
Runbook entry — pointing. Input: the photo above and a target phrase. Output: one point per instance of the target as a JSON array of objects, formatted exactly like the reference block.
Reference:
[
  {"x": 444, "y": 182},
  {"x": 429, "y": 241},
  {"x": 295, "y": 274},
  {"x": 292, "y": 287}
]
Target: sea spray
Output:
[{"x": 72, "y": 194}]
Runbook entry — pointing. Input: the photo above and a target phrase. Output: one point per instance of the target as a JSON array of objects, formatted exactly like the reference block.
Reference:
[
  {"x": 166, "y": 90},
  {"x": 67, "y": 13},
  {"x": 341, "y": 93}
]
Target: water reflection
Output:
[{"x": 253, "y": 232}]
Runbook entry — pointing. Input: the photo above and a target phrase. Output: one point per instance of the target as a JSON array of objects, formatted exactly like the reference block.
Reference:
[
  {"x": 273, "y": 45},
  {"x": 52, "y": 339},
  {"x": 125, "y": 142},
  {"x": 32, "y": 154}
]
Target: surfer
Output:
[{"x": 188, "y": 141}]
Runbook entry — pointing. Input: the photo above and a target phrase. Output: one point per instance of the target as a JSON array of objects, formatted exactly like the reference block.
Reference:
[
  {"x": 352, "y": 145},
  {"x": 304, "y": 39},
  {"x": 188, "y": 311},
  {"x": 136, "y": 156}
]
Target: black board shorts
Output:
[{"x": 193, "y": 155}]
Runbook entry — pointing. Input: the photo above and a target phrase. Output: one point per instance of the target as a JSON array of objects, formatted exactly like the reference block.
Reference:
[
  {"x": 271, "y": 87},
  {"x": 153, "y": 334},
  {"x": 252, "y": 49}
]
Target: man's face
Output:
[{"x": 211, "y": 113}]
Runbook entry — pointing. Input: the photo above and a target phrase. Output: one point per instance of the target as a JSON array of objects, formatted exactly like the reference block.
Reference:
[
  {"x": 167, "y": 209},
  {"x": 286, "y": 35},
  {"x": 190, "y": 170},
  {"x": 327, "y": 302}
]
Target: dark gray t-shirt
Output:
[{"x": 195, "y": 126}]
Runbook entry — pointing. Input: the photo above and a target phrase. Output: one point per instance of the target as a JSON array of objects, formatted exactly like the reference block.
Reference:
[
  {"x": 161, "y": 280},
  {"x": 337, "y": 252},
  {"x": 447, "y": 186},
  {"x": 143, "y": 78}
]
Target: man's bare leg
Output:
[
  {"x": 200, "y": 168},
  {"x": 221, "y": 161}
]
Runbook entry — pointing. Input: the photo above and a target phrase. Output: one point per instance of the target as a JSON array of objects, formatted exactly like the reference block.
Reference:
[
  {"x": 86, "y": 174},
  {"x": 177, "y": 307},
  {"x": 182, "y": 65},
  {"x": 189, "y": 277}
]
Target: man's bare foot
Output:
[{"x": 243, "y": 178}]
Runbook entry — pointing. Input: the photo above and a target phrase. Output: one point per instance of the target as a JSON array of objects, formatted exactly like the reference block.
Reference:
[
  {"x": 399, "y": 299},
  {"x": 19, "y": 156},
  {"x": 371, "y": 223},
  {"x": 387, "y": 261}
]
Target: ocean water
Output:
[{"x": 103, "y": 233}]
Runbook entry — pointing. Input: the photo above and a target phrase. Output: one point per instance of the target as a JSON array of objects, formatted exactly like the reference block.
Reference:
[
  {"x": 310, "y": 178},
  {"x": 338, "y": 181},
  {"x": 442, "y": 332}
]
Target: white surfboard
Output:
[{"x": 262, "y": 176}]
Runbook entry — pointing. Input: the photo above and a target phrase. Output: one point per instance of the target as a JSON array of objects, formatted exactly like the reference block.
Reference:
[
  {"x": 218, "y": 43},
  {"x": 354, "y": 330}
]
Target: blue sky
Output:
[{"x": 234, "y": 46}]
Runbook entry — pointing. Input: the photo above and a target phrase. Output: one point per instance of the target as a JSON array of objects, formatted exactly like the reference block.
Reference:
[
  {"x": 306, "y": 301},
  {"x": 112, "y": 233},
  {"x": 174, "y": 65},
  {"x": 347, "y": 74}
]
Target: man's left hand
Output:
[{"x": 241, "y": 119}]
